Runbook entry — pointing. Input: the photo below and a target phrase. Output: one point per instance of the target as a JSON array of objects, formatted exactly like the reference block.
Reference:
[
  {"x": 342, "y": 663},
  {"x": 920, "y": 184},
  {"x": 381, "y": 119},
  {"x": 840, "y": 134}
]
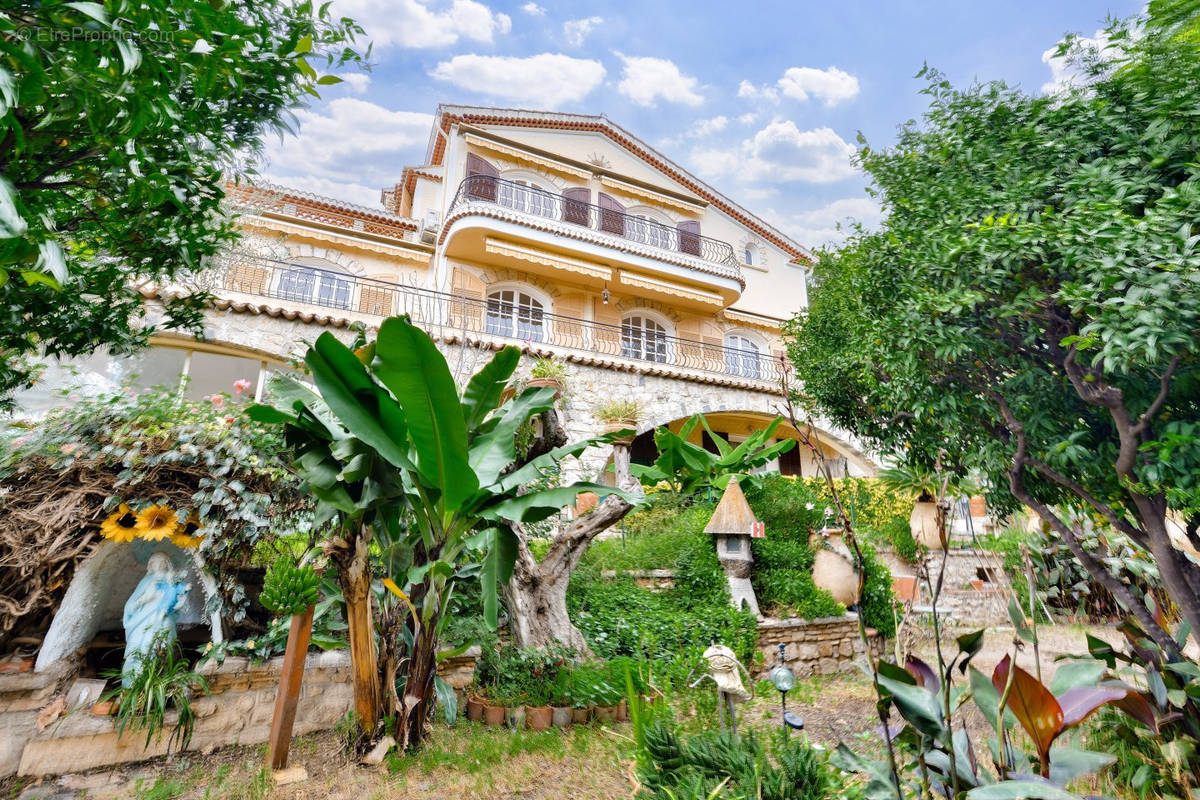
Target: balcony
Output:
[
  {"x": 452, "y": 316},
  {"x": 704, "y": 260}
]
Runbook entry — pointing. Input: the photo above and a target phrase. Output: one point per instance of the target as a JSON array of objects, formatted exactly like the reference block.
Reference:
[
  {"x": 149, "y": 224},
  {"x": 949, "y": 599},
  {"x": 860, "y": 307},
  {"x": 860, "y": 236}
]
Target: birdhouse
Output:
[{"x": 733, "y": 524}]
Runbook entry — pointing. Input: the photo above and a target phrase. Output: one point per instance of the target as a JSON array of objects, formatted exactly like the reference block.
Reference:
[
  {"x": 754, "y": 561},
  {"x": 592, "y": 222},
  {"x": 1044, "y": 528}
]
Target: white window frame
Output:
[
  {"x": 635, "y": 344},
  {"x": 741, "y": 362},
  {"x": 511, "y": 325},
  {"x": 527, "y": 202}
]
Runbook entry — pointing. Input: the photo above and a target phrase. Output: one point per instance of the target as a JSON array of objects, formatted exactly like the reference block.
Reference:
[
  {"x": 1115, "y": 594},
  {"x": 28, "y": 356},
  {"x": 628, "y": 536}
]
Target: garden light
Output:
[{"x": 784, "y": 680}]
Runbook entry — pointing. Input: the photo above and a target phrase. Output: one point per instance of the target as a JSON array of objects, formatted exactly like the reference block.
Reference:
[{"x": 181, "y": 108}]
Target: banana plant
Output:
[
  {"x": 395, "y": 454},
  {"x": 689, "y": 467}
]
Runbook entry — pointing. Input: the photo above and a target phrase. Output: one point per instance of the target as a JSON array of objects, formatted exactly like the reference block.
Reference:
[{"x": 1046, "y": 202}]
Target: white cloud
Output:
[
  {"x": 748, "y": 118},
  {"x": 819, "y": 226},
  {"x": 349, "y": 149},
  {"x": 356, "y": 82},
  {"x": 781, "y": 152},
  {"x": 749, "y": 91},
  {"x": 533, "y": 10},
  {"x": 830, "y": 86},
  {"x": 1065, "y": 75},
  {"x": 546, "y": 80},
  {"x": 646, "y": 79},
  {"x": 575, "y": 31},
  {"x": 412, "y": 23},
  {"x": 707, "y": 127}
]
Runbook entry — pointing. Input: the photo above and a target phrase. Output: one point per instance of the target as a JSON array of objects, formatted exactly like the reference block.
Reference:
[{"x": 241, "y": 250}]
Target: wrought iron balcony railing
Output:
[
  {"x": 548, "y": 205},
  {"x": 481, "y": 319}
]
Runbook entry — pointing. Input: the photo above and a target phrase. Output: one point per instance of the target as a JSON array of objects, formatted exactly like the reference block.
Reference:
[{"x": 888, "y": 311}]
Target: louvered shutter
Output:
[
  {"x": 689, "y": 236},
  {"x": 467, "y": 305},
  {"x": 612, "y": 215},
  {"x": 376, "y": 299},
  {"x": 701, "y": 344},
  {"x": 568, "y": 319},
  {"x": 248, "y": 279},
  {"x": 576, "y": 203},
  {"x": 482, "y": 177},
  {"x": 606, "y": 335}
]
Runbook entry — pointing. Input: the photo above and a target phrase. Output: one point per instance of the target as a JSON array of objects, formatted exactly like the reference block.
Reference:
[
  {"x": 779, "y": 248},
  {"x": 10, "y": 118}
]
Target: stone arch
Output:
[
  {"x": 495, "y": 277},
  {"x": 100, "y": 587},
  {"x": 630, "y": 304},
  {"x": 338, "y": 258}
]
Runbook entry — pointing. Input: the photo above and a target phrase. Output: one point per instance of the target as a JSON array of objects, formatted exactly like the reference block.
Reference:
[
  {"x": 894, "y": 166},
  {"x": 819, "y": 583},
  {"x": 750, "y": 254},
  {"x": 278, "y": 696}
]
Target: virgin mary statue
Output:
[{"x": 150, "y": 613}]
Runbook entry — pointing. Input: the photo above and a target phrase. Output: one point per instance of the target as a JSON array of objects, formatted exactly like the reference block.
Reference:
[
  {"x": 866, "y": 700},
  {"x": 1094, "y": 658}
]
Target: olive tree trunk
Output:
[{"x": 537, "y": 593}]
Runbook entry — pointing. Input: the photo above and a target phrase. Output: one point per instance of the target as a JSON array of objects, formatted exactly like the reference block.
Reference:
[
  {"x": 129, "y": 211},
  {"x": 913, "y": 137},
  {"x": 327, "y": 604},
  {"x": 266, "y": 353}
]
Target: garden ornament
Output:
[
  {"x": 726, "y": 671},
  {"x": 150, "y": 613}
]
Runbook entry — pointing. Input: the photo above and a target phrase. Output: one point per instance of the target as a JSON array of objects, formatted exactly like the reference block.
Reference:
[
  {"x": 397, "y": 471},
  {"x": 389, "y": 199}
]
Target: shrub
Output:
[
  {"x": 896, "y": 533},
  {"x": 869, "y": 502}
]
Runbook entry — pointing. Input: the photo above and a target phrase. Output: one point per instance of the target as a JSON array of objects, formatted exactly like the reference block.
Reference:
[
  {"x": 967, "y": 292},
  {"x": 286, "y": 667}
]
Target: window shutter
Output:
[
  {"x": 607, "y": 333},
  {"x": 467, "y": 305},
  {"x": 375, "y": 299},
  {"x": 248, "y": 278},
  {"x": 612, "y": 215},
  {"x": 568, "y": 325},
  {"x": 689, "y": 236},
  {"x": 482, "y": 178},
  {"x": 576, "y": 205}
]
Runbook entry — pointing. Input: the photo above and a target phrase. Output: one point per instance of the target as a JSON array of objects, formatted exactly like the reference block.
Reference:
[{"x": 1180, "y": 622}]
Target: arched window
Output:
[
  {"x": 644, "y": 338},
  {"x": 742, "y": 356},
  {"x": 514, "y": 313},
  {"x": 316, "y": 281}
]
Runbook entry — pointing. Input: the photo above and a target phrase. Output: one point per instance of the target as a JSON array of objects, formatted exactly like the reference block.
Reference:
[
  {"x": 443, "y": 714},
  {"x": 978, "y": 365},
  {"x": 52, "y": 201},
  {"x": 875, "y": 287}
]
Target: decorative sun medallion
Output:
[{"x": 598, "y": 159}]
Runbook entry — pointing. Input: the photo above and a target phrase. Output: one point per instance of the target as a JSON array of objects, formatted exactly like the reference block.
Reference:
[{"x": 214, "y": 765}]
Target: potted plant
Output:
[
  {"x": 475, "y": 704},
  {"x": 923, "y": 484},
  {"x": 619, "y": 415},
  {"x": 548, "y": 372},
  {"x": 538, "y": 715},
  {"x": 608, "y": 693},
  {"x": 493, "y": 706},
  {"x": 584, "y": 678},
  {"x": 560, "y": 698}
]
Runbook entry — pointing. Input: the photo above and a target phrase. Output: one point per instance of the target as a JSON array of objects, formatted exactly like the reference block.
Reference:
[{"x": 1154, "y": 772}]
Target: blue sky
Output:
[{"x": 762, "y": 99}]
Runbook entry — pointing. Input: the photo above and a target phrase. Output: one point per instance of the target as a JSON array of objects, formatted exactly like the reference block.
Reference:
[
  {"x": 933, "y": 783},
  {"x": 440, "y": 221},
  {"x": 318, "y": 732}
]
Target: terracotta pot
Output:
[
  {"x": 833, "y": 567},
  {"x": 614, "y": 425},
  {"x": 580, "y": 716},
  {"x": 493, "y": 715},
  {"x": 538, "y": 718},
  {"x": 514, "y": 716},
  {"x": 906, "y": 588},
  {"x": 550, "y": 383},
  {"x": 606, "y": 713},
  {"x": 104, "y": 708},
  {"x": 977, "y": 584},
  {"x": 475, "y": 708},
  {"x": 923, "y": 524},
  {"x": 623, "y": 711},
  {"x": 560, "y": 716}
]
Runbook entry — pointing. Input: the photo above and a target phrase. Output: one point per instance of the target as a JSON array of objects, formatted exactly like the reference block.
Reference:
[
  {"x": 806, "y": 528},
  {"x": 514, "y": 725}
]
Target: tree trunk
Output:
[
  {"x": 420, "y": 671},
  {"x": 537, "y": 594},
  {"x": 354, "y": 575}
]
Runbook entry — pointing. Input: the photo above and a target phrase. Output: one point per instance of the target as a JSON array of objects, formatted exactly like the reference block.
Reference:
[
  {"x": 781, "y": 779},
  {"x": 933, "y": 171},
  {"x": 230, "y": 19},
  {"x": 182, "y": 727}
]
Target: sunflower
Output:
[
  {"x": 155, "y": 523},
  {"x": 187, "y": 537},
  {"x": 121, "y": 525}
]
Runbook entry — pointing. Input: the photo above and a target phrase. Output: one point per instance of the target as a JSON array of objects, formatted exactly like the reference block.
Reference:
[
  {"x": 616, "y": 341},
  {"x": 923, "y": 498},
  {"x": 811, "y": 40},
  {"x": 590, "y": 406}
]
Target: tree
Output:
[
  {"x": 1029, "y": 309},
  {"x": 117, "y": 122},
  {"x": 399, "y": 459}
]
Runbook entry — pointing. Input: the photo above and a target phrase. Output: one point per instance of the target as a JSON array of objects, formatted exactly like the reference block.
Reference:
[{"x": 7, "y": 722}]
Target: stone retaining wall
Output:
[
  {"x": 814, "y": 647},
  {"x": 237, "y": 710}
]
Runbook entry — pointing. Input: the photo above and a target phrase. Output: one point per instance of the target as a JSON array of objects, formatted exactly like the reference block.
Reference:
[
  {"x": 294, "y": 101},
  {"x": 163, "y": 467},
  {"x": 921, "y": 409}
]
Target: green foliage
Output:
[
  {"x": 689, "y": 468},
  {"x": 868, "y": 501},
  {"x": 395, "y": 453},
  {"x": 896, "y": 533},
  {"x": 548, "y": 369},
  {"x": 1034, "y": 280},
  {"x": 146, "y": 448},
  {"x": 118, "y": 122},
  {"x": 618, "y": 411},
  {"x": 163, "y": 681},
  {"x": 724, "y": 764},
  {"x": 289, "y": 588}
]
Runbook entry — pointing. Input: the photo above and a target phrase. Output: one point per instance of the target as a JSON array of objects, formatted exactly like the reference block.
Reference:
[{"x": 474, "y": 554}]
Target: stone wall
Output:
[
  {"x": 814, "y": 647},
  {"x": 237, "y": 710},
  {"x": 976, "y": 588}
]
